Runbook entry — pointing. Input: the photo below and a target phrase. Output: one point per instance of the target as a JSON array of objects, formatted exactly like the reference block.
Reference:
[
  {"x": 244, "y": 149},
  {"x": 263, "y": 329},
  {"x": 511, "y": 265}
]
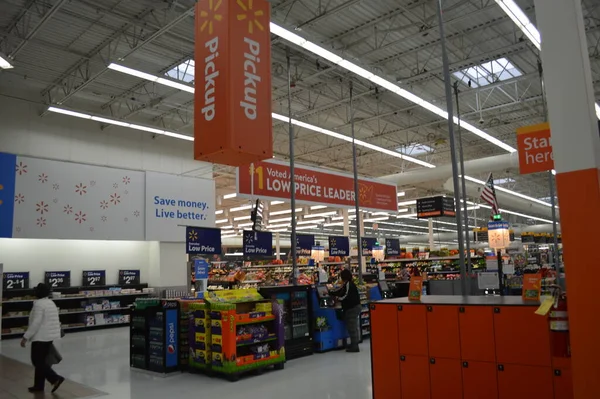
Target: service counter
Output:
[{"x": 455, "y": 347}]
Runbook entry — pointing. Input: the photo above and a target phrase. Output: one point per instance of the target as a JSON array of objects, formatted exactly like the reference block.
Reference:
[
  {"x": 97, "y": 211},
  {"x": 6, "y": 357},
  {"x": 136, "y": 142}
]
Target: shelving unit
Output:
[{"x": 76, "y": 310}]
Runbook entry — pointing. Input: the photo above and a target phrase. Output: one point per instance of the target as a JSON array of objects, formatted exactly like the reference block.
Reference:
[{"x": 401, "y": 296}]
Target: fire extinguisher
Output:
[{"x": 558, "y": 321}]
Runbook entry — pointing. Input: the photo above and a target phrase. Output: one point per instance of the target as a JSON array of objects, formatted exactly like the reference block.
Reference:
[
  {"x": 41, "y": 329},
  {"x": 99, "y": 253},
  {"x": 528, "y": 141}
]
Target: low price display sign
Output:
[
  {"x": 15, "y": 281},
  {"x": 129, "y": 277},
  {"x": 202, "y": 241},
  {"x": 258, "y": 243},
  {"x": 339, "y": 246},
  {"x": 367, "y": 245},
  {"x": 392, "y": 246},
  {"x": 92, "y": 278},
  {"x": 58, "y": 279},
  {"x": 304, "y": 244}
]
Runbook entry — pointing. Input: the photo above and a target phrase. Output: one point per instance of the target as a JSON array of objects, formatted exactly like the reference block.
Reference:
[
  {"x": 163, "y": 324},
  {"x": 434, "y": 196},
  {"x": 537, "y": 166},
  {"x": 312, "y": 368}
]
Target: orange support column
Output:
[{"x": 576, "y": 148}]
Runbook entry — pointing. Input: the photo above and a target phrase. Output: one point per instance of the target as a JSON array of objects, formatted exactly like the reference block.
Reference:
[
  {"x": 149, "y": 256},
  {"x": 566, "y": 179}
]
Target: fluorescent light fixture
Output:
[
  {"x": 518, "y": 214},
  {"x": 333, "y": 224},
  {"x": 226, "y": 227},
  {"x": 278, "y": 226},
  {"x": 361, "y": 143},
  {"x": 376, "y": 219},
  {"x": 402, "y": 210},
  {"x": 240, "y": 218},
  {"x": 597, "y": 110},
  {"x": 320, "y": 215},
  {"x": 279, "y": 231},
  {"x": 221, "y": 221},
  {"x": 412, "y": 215},
  {"x": 219, "y": 212},
  {"x": 516, "y": 194},
  {"x": 407, "y": 203},
  {"x": 244, "y": 225},
  {"x": 311, "y": 221},
  {"x": 150, "y": 77},
  {"x": 317, "y": 207},
  {"x": 378, "y": 80},
  {"x": 284, "y": 212},
  {"x": 120, "y": 123},
  {"x": 277, "y": 202},
  {"x": 235, "y": 254},
  {"x": 280, "y": 220},
  {"x": 312, "y": 226},
  {"x": 401, "y": 193},
  {"x": 241, "y": 208},
  {"x": 380, "y": 214},
  {"x": 4, "y": 64},
  {"x": 230, "y": 196}
]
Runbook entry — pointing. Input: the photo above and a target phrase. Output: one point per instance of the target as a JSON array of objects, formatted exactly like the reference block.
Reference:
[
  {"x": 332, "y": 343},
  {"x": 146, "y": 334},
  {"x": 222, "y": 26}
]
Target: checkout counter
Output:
[
  {"x": 330, "y": 331},
  {"x": 397, "y": 288}
]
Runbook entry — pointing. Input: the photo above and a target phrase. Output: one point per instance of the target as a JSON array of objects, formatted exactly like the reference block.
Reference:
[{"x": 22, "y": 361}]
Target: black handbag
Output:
[{"x": 53, "y": 357}]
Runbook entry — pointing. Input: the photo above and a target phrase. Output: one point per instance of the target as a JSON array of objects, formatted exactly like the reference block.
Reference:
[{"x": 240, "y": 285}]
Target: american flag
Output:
[{"x": 488, "y": 194}]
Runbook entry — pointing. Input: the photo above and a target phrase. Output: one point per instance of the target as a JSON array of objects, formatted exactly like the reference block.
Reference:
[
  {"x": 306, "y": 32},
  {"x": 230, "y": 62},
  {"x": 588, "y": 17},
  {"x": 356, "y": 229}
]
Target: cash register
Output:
[
  {"x": 385, "y": 290},
  {"x": 325, "y": 300}
]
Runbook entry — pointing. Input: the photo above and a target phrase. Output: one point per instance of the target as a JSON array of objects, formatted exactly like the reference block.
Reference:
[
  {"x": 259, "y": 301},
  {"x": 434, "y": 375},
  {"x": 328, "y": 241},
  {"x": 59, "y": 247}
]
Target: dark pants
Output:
[
  {"x": 352, "y": 324},
  {"x": 39, "y": 353}
]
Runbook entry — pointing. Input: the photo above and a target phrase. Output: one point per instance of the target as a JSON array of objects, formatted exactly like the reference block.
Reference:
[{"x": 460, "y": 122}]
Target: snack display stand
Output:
[
  {"x": 456, "y": 347},
  {"x": 237, "y": 331},
  {"x": 80, "y": 308}
]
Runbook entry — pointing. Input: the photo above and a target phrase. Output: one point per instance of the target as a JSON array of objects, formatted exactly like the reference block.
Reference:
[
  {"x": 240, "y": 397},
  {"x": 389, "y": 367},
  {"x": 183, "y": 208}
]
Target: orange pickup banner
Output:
[
  {"x": 232, "y": 101},
  {"x": 272, "y": 181},
  {"x": 535, "y": 151}
]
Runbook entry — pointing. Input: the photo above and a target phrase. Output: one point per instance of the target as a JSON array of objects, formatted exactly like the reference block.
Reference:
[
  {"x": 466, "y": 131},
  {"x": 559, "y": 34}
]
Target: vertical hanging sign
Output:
[
  {"x": 233, "y": 82},
  {"x": 392, "y": 247},
  {"x": 339, "y": 246}
]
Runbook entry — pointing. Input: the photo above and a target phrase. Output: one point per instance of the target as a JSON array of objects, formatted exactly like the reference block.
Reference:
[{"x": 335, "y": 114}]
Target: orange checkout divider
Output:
[{"x": 454, "y": 347}]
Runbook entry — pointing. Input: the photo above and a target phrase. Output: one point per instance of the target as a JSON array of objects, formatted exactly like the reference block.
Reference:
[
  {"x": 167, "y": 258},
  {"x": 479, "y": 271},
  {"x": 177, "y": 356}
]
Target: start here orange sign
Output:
[
  {"x": 232, "y": 101},
  {"x": 535, "y": 151}
]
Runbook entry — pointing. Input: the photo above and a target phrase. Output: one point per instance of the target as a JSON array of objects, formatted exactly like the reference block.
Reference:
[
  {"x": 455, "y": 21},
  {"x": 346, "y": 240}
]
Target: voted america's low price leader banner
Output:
[
  {"x": 272, "y": 181},
  {"x": 174, "y": 202}
]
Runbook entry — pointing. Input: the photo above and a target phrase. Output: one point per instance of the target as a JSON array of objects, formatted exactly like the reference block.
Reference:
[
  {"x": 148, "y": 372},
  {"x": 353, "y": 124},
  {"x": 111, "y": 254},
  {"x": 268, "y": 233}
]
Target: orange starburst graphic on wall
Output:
[
  {"x": 250, "y": 15},
  {"x": 210, "y": 18},
  {"x": 365, "y": 194}
]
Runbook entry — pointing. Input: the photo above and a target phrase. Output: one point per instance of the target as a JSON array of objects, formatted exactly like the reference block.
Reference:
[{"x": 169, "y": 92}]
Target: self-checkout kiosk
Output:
[{"x": 330, "y": 330}]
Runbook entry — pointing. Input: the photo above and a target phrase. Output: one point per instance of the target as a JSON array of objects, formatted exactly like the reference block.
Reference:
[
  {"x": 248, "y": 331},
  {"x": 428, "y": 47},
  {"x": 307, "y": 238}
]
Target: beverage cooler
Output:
[{"x": 298, "y": 331}]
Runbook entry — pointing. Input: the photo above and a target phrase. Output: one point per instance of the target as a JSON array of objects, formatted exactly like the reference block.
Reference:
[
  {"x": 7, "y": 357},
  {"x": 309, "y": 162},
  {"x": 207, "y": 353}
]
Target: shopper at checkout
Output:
[{"x": 350, "y": 298}]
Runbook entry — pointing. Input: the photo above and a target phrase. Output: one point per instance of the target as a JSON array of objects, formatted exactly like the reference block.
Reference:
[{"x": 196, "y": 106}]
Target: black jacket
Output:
[{"x": 348, "y": 294}]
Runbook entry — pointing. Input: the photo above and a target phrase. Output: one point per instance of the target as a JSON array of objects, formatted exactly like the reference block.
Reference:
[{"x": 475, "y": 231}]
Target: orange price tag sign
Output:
[
  {"x": 415, "y": 289},
  {"x": 532, "y": 285}
]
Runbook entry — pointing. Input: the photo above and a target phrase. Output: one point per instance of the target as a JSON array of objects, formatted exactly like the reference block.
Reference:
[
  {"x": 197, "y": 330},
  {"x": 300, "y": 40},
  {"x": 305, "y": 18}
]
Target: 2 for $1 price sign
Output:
[{"x": 15, "y": 281}]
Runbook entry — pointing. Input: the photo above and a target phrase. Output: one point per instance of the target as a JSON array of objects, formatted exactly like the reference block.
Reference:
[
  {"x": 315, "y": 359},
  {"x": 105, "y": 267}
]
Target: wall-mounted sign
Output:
[
  {"x": 129, "y": 277},
  {"x": 202, "y": 241},
  {"x": 233, "y": 82},
  {"x": 15, "y": 281},
  {"x": 392, "y": 247},
  {"x": 435, "y": 207},
  {"x": 318, "y": 186},
  {"x": 367, "y": 245},
  {"x": 535, "y": 151},
  {"x": 93, "y": 278},
  {"x": 58, "y": 279},
  {"x": 339, "y": 246},
  {"x": 304, "y": 244},
  {"x": 258, "y": 243}
]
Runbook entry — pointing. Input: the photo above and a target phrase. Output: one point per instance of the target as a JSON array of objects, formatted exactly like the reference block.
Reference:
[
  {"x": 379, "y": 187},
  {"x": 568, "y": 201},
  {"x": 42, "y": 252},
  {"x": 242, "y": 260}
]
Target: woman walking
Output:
[
  {"x": 44, "y": 328},
  {"x": 350, "y": 298}
]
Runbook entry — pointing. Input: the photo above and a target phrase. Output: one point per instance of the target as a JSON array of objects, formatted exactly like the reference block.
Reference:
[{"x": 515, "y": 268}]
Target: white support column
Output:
[
  {"x": 346, "y": 222},
  {"x": 431, "y": 241},
  {"x": 576, "y": 150},
  {"x": 277, "y": 246}
]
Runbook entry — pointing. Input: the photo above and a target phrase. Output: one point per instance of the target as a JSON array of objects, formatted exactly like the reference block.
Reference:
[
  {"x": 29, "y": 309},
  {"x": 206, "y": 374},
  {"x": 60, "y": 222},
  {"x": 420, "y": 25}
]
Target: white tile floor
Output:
[{"x": 100, "y": 359}]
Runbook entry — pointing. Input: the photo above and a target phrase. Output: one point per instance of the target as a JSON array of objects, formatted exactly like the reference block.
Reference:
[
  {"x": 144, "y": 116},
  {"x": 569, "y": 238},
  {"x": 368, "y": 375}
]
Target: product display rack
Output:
[
  {"x": 237, "y": 331},
  {"x": 80, "y": 308},
  {"x": 154, "y": 335},
  {"x": 365, "y": 319},
  {"x": 298, "y": 330}
]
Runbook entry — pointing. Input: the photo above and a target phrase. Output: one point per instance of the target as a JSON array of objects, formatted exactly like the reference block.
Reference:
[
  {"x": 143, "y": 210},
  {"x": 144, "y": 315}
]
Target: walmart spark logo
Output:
[
  {"x": 214, "y": 16},
  {"x": 193, "y": 235},
  {"x": 250, "y": 15},
  {"x": 332, "y": 242}
]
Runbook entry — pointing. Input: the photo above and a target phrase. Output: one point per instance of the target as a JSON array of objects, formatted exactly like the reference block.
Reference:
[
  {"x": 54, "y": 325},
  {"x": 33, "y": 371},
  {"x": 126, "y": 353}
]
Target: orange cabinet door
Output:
[
  {"x": 415, "y": 377},
  {"x": 412, "y": 330},
  {"x": 514, "y": 321},
  {"x": 563, "y": 384},
  {"x": 442, "y": 331},
  {"x": 476, "y": 324},
  {"x": 479, "y": 380},
  {"x": 524, "y": 382},
  {"x": 384, "y": 352},
  {"x": 446, "y": 378}
]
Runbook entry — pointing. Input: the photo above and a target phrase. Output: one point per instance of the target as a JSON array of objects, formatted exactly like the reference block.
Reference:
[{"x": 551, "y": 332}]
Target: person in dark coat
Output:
[{"x": 350, "y": 298}]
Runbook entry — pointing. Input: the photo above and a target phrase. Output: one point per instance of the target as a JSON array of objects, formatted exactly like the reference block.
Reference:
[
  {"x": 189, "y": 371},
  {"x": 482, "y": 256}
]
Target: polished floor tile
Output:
[{"x": 100, "y": 359}]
